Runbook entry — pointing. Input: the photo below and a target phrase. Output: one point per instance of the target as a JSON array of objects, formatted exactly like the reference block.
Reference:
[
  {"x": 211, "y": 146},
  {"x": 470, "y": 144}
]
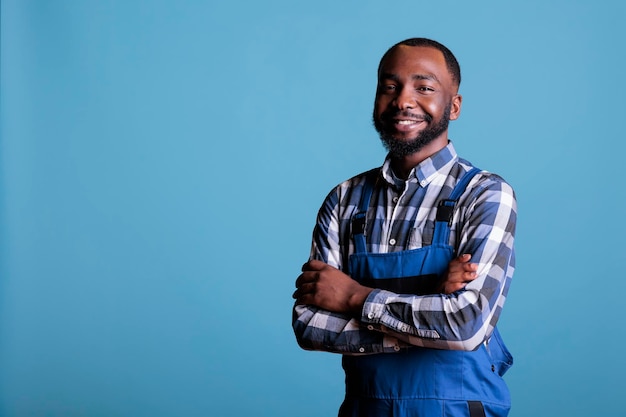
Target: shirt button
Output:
[
  {"x": 361, "y": 349},
  {"x": 370, "y": 327},
  {"x": 395, "y": 200},
  {"x": 396, "y": 348},
  {"x": 392, "y": 242},
  {"x": 370, "y": 316}
]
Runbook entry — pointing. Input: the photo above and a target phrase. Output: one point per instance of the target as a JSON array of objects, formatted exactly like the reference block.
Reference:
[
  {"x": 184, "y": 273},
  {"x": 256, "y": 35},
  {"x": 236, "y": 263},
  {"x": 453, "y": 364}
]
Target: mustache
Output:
[{"x": 390, "y": 115}]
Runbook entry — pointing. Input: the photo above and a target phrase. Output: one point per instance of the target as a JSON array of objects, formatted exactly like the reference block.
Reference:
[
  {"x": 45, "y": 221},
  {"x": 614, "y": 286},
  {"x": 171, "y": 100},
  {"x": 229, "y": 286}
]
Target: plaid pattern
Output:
[{"x": 401, "y": 217}]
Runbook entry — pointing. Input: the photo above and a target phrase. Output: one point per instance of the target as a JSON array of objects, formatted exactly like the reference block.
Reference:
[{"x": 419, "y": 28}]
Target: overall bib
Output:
[{"x": 420, "y": 381}]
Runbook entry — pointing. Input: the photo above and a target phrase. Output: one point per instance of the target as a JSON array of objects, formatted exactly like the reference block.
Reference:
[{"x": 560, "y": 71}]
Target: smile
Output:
[{"x": 406, "y": 126}]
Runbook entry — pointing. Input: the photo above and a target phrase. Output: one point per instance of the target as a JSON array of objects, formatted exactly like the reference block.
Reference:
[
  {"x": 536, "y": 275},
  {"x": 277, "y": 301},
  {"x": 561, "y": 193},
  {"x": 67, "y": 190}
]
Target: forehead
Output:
[{"x": 409, "y": 61}]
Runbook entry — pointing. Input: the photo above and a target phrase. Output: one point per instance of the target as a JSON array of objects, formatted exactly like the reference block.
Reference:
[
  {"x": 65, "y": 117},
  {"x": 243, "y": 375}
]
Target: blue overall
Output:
[{"x": 420, "y": 381}]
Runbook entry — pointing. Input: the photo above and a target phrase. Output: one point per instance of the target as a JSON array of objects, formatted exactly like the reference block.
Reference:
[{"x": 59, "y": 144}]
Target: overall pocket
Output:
[{"x": 501, "y": 358}]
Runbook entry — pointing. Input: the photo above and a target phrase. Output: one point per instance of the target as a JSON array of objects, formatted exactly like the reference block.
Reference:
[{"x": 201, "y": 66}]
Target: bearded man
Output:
[{"x": 411, "y": 262}]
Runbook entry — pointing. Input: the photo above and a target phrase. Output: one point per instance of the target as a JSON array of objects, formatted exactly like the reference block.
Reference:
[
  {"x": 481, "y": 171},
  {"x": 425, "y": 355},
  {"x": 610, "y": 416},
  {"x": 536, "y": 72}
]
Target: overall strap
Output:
[
  {"x": 358, "y": 219},
  {"x": 445, "y": 210}
]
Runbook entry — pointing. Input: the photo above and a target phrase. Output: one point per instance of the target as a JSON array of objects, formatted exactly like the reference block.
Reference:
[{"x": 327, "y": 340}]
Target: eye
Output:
[
  {"x": 425, "y": 89},
  {"x": 388, "y": 88}
]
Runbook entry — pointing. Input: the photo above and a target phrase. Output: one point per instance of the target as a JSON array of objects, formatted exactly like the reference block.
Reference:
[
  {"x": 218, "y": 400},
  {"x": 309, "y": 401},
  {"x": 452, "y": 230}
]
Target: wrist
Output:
[{"x": 357, "y": 300}]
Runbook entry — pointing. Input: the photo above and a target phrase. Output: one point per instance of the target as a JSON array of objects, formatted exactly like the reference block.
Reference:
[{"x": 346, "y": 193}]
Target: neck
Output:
[{"x": 402, "y": 166}]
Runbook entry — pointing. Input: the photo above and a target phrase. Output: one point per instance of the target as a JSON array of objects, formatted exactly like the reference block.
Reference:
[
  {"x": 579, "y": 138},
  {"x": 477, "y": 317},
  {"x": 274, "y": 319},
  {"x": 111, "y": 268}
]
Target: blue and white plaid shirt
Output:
[{"x": 401, "y": 217}]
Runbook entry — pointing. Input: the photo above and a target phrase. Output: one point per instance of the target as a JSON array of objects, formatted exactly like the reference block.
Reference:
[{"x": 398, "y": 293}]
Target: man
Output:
[{"x": 416, "y": 327}]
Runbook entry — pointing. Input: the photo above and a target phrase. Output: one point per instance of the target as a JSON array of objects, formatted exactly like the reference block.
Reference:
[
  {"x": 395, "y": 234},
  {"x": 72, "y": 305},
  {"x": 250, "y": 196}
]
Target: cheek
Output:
[
  {"x": 380, "y": 105},
  {"x": 435, "y": 107}
]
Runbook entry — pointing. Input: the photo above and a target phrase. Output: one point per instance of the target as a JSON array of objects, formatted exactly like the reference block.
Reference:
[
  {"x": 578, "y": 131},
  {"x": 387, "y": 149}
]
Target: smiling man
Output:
[{"x": 389, "y": 284}]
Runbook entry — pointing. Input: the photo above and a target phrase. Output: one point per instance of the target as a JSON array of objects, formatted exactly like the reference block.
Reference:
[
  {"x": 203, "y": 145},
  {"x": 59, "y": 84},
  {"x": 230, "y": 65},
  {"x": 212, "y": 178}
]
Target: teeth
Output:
[{"x": 405, "y": 122}]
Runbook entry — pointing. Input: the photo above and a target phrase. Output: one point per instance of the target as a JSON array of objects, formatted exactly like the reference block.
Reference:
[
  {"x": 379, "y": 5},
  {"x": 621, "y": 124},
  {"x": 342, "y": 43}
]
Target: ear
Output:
[{"x": 455, "y": 108}]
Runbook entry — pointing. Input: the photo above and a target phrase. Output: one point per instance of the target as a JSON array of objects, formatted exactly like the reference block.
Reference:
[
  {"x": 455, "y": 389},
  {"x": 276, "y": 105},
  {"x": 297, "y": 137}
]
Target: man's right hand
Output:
[
  {"x": 460, "y": 272},
  {"x": 324, "y": 286}
]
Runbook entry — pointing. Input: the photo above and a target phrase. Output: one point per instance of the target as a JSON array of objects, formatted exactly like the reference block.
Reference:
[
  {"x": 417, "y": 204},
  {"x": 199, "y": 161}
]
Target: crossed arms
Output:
[{"x": 335, "y": 313}]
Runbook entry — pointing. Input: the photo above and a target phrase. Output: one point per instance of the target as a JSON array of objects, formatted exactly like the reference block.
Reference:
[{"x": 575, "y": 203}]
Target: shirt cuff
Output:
[{"x": 374, "y": 306}]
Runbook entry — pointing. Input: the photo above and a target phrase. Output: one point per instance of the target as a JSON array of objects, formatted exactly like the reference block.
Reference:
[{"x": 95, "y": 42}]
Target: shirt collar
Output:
[{"x": 426, "y": 171}]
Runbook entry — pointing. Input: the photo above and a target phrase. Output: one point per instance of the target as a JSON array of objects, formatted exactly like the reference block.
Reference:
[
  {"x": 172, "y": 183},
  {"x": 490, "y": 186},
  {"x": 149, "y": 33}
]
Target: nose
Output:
[{"x": 405, "y": 99}]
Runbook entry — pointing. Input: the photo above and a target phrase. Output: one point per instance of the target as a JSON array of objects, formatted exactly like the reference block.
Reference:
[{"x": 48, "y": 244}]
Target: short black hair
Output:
[{"x": 451, "y": 62}]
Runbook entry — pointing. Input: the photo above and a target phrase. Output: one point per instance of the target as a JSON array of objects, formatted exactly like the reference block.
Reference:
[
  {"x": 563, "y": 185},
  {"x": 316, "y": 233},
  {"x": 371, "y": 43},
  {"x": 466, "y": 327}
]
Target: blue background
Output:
[{"x": 163, "y": 162}]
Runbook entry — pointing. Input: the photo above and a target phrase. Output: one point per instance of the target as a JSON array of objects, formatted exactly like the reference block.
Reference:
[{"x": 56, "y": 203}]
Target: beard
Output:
[{"x": 398, "y": 148}]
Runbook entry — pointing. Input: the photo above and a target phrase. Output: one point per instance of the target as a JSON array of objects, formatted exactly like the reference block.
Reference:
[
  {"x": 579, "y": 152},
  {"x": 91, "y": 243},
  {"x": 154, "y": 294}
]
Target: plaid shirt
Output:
[{"x": 401, "y": 217}]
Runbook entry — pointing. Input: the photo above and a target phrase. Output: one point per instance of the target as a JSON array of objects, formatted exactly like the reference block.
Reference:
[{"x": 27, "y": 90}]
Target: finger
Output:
[
  {"x": 459, "y": 262},
  {"x": 470, "y": 267},
  {"x": 299, "y": 281},
  {"x": 306, "y": 277},
  {"x": 308, "y": 288},
  {"x": 453, "y": 286},
  {"x": 313, "y": 265},
  {"x": 298, "y": 293},
  {"x": 304, "y": 289},
  {"x": 456, "y": 266},
  {"x": 305, "y": 299},
  {"x": 469, "y": 276}
]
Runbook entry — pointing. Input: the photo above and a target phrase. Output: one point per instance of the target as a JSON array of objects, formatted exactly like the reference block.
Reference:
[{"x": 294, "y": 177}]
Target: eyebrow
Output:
[{"x": 414, "y": 77}]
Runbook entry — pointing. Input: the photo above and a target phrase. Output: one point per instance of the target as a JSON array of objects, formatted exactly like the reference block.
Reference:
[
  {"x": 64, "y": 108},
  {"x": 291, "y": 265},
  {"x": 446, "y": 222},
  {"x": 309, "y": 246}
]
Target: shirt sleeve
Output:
[
  {"x": 318, "y": 329},
  {"x": 465, "y": 319},
  {"x": 460, "y": 321}
]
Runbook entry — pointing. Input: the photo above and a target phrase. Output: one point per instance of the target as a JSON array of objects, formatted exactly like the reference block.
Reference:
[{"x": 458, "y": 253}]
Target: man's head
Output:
[{"x": 417, "y": 96}]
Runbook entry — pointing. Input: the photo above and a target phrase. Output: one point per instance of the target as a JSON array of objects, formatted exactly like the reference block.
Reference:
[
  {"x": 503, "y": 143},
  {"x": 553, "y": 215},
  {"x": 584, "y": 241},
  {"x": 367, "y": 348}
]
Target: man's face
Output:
[{"x": 415, "y": 99}]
